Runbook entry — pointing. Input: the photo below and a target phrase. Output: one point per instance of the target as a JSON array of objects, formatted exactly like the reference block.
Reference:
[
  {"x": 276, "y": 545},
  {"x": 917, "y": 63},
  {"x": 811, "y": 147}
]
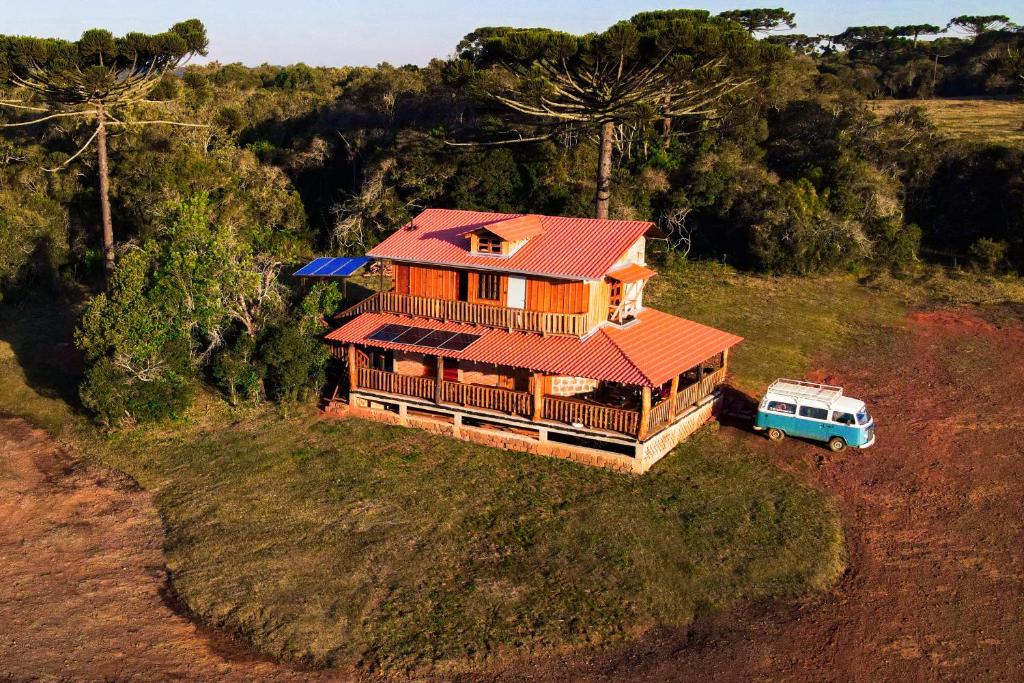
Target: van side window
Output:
[
  {"x": 842, "y": 418},
  {"x": 782, "y": 407},
  {"x": 815, "y": 413}
]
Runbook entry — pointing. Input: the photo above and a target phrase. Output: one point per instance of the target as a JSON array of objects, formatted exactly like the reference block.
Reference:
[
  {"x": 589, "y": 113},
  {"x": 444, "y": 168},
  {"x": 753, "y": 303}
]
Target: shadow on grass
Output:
[{"x": 37, "y": 322}]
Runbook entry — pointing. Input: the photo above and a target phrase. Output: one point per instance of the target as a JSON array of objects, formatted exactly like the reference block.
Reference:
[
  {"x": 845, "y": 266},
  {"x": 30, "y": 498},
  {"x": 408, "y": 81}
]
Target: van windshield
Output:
[{"x": 863, "y": 418}]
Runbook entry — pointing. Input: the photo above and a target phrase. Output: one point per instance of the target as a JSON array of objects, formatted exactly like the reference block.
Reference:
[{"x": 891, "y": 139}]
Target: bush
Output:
[
  {"x": 238, "y": 372},
  {"x": 988, "y": 255},
  {"x": 295, "y": 362},
  {"x": 115, "y": 396}
]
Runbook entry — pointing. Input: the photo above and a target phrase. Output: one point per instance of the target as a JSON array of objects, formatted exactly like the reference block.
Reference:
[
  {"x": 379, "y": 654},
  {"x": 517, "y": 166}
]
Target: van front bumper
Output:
[{"x": 869, "y": 444}]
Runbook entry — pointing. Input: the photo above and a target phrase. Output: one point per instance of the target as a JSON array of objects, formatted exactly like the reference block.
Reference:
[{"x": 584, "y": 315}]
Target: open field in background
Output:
[
  {"x": 357, "y": 543},
  {"x": 978, "y": 119}
]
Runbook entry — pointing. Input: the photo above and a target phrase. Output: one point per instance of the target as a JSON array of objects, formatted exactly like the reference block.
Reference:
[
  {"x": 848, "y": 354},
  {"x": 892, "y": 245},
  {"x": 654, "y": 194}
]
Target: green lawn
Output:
[{"x": 354, "y": 542}]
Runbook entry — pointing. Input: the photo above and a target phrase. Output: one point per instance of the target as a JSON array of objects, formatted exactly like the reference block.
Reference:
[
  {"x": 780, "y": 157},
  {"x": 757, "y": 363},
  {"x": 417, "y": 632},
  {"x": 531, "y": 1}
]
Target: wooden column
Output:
[
  {"x": 353, "y": 372},
  {"x": 439, "y": 386},
  {"x": 672, "y": 397},
  {"x": 538, "y": 397},
  {"x": 725, "y": 362},
  {"x": 645, "y": 412}
]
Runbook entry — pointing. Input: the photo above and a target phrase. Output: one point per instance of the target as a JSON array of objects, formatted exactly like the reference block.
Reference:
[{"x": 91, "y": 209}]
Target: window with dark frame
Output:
[
  {"x": 488, "y": 244},
  {"x": 488, "y": 286},
  {"x": 615, "y": 293},
  {"x": 814, "y": 413}
]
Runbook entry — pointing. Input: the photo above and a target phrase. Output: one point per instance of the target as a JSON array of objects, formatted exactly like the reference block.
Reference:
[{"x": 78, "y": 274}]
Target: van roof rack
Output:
[{"x": 800, "y": 389}]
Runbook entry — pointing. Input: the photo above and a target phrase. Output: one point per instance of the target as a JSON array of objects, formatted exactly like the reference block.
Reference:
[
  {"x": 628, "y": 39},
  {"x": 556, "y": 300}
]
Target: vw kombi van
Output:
[{"x": 814, "y": 411}]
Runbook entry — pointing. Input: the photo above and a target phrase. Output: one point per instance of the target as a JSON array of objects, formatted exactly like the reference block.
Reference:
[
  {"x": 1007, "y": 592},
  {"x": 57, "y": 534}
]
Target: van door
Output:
[
  {"x": 516, "y": 292},
  {"x": 814, "y": 422}
]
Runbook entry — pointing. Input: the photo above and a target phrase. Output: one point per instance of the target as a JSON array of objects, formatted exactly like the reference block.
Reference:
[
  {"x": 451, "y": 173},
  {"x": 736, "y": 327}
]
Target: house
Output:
[{"x": 530, "y": 333}]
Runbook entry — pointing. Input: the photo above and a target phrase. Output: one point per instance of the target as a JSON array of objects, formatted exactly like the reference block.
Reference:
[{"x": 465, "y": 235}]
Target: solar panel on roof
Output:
[
  {"x": 422, "y": 336},
  {"x": 326, "y": 266}
]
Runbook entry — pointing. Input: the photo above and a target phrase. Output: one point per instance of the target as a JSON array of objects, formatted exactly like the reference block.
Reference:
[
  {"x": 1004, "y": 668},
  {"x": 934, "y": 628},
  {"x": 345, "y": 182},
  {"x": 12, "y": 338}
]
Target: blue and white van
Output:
[{"x": 814, "y": 411}]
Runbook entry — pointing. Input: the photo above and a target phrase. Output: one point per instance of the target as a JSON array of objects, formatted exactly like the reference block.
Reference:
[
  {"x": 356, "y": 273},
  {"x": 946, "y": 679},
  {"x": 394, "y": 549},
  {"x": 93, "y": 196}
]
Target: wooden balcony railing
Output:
[
  {"x": 690, "y": 395},
  {"x": 393, "y": 383},
  {"x": 574, "y": 411},
  {"x": 492, "y": 398},
  {"x": 567, "y": 324},
  {"x": 556, "y": 408}
]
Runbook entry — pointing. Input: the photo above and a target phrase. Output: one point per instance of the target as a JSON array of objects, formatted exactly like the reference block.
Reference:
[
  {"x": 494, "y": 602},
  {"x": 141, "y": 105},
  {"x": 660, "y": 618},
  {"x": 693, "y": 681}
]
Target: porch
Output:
[{"x": 609, "y": 409}]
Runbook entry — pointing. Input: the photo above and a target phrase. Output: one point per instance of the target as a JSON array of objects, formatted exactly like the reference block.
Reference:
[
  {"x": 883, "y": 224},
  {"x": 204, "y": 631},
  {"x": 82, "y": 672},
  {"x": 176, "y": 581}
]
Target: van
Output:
[{"x": 814, "y": 411}]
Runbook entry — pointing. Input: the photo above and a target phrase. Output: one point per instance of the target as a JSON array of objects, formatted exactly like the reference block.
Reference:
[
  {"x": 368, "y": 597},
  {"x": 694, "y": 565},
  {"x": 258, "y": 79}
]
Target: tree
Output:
[
  {"x": 975, "y": 25},
  {"x": 856, "y": 36},
  {"x": 797, "y": 42},
  {"x": 655, "y": 66},
  {"x": 99, "y": 78},
  {"x": 761, "y": 20},
  {"x": 915, "y": 31}
]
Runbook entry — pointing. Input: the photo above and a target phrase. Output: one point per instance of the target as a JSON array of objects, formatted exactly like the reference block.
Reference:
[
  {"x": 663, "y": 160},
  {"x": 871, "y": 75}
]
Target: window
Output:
[
  {"x": 488, "y": 286},
  {"x": 615, "y": 297},
  {"x": 814, "y": 413},
  {"x": 488, "y": 244},
  {"x": 842, "y": 418},
  {"x": 782, "y": 407}
]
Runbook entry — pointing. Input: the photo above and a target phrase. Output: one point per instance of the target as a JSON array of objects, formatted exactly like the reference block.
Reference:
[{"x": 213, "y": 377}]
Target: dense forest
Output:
[{"x": 193, "y": 186}]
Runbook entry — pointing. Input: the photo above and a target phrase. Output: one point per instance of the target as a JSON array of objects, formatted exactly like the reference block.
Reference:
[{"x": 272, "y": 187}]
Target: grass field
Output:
[
  {"x": 978, "y": 119},
  {"x": 353, "y": 542}
]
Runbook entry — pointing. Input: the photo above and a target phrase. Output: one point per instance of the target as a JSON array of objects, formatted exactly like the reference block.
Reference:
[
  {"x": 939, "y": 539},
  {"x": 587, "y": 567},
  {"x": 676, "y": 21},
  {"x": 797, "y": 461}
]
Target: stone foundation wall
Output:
[{"x": 647, "y": 453}]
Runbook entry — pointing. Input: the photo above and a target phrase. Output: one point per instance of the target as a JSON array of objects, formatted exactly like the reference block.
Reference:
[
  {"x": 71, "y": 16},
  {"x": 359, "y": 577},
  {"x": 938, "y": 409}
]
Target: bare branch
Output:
[
  {"x": 47, "y": 118},
  {"x": 75, "y": 155}
]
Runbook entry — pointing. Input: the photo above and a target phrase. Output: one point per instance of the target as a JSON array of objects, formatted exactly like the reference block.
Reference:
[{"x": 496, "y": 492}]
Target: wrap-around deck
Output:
[{"x": 538, "y": 407}]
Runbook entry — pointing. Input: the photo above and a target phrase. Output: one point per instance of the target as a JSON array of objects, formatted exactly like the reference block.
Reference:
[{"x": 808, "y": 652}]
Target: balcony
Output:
[
  {"x": 548, "y": 409},
  {"x": 512, "y": 319}
]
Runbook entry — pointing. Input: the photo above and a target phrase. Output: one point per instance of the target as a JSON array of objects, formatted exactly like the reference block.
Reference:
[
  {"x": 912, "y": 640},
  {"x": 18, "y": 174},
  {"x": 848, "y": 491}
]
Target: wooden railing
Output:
[
  {"x": 492, "y": 398},
  {"x": 690, "y": 395},
  {"x": 568, "y": 324},
  {"x": 556, "y": 408},
  {"x": 393, "y": 383},
  {"x": 573, "y": 411}
]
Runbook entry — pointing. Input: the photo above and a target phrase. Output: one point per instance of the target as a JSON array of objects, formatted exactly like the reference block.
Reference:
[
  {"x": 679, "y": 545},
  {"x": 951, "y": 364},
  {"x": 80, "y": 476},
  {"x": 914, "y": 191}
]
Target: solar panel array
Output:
[
  {"x": 421, "y": 336},
  {"x": 326, "y": 266}
]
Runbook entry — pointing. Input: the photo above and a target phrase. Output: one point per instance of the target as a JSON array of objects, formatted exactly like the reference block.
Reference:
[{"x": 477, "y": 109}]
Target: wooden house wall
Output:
[
  {"x": 542, "y": 294},
  {"x": 432, "y": 282}
]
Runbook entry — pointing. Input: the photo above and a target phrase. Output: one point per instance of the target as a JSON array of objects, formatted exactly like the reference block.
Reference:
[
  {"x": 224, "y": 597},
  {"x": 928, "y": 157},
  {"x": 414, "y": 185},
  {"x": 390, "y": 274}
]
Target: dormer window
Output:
[
  {"x": 488, "y": 244},
  {"x": 504, "y": 237}
]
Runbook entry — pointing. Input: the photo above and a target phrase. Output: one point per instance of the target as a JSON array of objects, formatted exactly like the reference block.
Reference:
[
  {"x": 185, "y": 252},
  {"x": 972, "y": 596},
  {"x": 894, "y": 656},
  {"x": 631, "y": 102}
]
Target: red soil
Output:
[{"x": 933, "y": 513}]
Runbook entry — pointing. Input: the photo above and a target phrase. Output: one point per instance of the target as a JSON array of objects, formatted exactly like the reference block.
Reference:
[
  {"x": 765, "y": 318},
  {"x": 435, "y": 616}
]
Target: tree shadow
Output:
[{"x": 37, "y": 320}]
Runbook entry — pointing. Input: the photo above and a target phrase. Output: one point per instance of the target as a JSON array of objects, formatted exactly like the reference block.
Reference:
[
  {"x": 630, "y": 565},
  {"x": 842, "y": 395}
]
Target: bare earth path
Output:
[
  {"x": 934, "y": 514},
  {"x": 82, "y": 585}
]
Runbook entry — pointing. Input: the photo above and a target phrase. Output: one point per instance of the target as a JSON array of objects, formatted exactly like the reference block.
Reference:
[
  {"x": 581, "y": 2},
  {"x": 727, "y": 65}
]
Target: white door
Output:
[{"x": 516, "y": 292}]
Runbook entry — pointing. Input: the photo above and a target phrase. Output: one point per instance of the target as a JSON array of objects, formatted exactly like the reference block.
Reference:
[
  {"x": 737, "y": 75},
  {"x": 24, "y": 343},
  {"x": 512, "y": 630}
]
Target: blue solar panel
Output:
[{"x": 332, "y": 267}]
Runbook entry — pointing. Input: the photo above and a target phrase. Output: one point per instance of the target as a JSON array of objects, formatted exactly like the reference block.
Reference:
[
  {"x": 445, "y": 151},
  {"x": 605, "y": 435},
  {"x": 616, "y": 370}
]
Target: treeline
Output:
[{"x": 742, "y": 149}]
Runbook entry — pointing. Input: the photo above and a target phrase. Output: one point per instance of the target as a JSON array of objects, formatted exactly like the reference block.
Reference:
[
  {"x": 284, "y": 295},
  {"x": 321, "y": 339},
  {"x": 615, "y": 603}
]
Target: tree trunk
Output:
[
  {"x": 604, "y": 169},
  {"x": 108, "y": 227}
]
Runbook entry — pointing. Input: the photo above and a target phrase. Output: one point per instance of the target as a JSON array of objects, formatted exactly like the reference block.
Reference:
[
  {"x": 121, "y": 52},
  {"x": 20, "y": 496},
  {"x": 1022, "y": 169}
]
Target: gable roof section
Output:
[
  {"x": 514, "y": 229},
  {"x": 649, "y": 352},
  {"x": 569, "y": 248}
]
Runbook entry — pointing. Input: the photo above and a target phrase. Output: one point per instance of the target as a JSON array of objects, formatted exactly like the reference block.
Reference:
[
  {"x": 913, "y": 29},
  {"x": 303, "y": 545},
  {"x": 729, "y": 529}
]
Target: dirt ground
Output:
[
  {"x": 934, "y": 517},
  {"x": 82, "y": 583}
]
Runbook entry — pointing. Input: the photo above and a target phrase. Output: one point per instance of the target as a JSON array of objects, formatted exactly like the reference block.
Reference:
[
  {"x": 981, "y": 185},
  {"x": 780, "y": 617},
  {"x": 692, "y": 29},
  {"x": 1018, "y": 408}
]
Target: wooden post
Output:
[
  {"x": 538, "y": 397},
  {"x": 439, "y": 388},
  {"x": 353, "y": 372},
  {"x": 645, "y": 412},
  {"x": 725, "y": 362},
  {"x": 672, "y": 397}
]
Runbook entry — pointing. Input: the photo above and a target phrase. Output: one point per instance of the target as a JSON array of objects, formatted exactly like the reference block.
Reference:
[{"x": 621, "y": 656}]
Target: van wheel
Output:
[
  {"x": 836, "y": 444},
  {"x": 776, "y": 434}
]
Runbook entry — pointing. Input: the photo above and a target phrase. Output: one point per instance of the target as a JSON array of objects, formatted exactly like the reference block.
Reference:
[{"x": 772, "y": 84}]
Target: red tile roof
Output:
[
  {"x": 515, "y": 229},
  {"x": 648, "y": 352},
  {"x": 571, "y": 248},
  {"x": 631, "y": 273}
]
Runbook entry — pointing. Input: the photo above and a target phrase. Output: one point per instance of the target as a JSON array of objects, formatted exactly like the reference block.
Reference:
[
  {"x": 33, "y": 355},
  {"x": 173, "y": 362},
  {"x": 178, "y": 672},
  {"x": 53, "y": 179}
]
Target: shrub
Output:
[
  {"x": 295, "y": 362},
  {"x": 115, "y": 396},
  {"x": 988, "y": 255}
]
